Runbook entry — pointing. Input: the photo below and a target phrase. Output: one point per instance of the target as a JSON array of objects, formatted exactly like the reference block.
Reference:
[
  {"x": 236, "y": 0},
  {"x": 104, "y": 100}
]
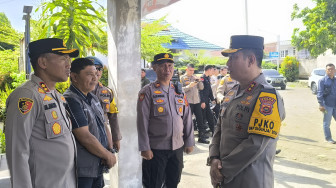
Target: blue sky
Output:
[{"x": 211, "y": 20}]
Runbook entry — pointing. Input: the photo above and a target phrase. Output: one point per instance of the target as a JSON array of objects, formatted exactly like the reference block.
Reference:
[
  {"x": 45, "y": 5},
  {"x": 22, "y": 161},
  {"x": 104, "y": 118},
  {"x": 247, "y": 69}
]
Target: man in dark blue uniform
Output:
[{"x": 207, "y": 96}]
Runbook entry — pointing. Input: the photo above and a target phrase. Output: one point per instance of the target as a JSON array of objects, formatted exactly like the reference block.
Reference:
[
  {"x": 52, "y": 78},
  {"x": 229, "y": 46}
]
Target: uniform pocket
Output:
[
  {"x": 55, "y": 123},
  {"x": 160, "y": 107}
]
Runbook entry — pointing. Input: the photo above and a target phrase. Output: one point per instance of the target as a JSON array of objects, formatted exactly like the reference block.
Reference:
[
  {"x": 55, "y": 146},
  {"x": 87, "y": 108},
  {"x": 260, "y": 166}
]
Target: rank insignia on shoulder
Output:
[
  {"x": 157, "y": 85},
  {"x": 44, "y": 87},
  {"x": 141, "y": 96},
  {"x": 157, "y": 92},
  {"x": 40, "y": 90},
  {"x": 47, "y": 98},
  {"x": 25, "y": 105},
  {"x": 56, "y": 128},
  {"x": 63, "y": 99},
  {"x": 251, "y": 86}
]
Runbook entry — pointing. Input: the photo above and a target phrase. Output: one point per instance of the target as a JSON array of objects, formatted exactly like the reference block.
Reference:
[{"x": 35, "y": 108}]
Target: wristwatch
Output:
[{"x": 209, "y": 159}]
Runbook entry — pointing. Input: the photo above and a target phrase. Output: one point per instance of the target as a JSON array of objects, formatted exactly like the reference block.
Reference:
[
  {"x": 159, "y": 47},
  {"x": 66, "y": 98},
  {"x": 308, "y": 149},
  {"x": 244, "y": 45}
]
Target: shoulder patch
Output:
[
  {"x": 265, "y": 119},
  {"x": 141, "y": 96},
  {"x": 25, "y": 105}
]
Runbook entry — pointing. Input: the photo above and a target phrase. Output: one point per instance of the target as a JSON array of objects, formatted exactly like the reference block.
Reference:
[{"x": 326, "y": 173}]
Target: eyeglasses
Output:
[{"x": 99, "y": 68}]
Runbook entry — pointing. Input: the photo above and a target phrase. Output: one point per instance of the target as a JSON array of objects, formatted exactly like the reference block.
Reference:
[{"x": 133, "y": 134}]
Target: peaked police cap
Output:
[
  {"x": 239, "y": 42},
  {"x": 162, "y": 58}
]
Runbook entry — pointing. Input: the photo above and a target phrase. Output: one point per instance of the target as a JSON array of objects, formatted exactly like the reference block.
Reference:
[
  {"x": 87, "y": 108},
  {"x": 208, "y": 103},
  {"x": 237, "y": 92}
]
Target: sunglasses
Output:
[{"x": 99, "y": 68}]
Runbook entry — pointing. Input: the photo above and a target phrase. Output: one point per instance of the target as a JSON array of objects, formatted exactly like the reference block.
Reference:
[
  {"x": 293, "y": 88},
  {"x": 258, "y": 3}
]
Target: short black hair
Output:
[
  {"x": 143, "y": 70},
  {"x": 259, "y": 54},
  {"x": 207, "y": 67},
  {"x": 330, "y": 65},
  {"x": 191, "y": 65},
  {"x": 224, "y": 67},
  {"x": 79, "y": 64}
]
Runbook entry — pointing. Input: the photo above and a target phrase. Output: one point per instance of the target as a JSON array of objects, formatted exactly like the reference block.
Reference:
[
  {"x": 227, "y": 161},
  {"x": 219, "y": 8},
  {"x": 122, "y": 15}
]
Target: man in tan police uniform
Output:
[
  {"x": 40, "y": 147},
  {"x": 165, "y": 127},
  {"x": 107, "y": 101},
  {"x": 225, "y": 84},
  {"x": 243, "y": 148}
]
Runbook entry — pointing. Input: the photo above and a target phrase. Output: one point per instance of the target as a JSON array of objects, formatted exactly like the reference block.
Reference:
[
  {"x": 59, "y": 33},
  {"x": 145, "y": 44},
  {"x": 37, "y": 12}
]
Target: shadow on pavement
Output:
[
  {"x": 297, "y": 138},
  {"x": 290, "y": 177}
]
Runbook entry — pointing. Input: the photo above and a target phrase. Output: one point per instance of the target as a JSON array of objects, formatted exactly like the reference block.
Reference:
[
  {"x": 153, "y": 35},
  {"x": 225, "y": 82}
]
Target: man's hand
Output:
[
  {"x": 188, "y": 150},
  {"x": 203, "y": 105},
  {"x": 322, "y": 109},
  {"x": 110, "y": 160},
  {"x": 148, "y": 155},
  {"x": 213, "y": 102},
  {"x": 192, "y": 84},
  {"x": 116, "y": 144},
  {"x": 215, "y": 174}
]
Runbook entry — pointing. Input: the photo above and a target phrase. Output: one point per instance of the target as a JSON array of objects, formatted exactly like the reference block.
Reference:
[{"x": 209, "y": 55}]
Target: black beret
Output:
[
  {"x": 50, "y": 45},
  {"x": 162, "y": 58},
  {"x": 239, "y": 42}
]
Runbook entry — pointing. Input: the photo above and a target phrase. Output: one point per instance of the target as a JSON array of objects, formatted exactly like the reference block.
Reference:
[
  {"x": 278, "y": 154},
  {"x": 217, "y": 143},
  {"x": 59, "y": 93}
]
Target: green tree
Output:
[
  {"x": 201, "y": 59},
  {"x": 290, "y": 68},
  {"x": 9, "y": 37},
  {"x": 320, "y": 27},
  {"x": 77, "y": 22},
  {"x": 151, "y": 42}
]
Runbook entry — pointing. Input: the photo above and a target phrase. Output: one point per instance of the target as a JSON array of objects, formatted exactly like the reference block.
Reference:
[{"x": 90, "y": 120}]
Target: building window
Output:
[
  {"x": 294, "y": 51},
  {"x": 286, "y": 53},
  {"x": 282, "y": 54},
  {"x": 195, "y": 54}
]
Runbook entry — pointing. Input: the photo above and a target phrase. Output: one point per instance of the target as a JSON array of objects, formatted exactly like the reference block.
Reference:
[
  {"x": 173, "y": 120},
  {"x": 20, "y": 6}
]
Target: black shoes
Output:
[
  {"x": 277, "y": 151},
  {"x": 203, "y": 141}
]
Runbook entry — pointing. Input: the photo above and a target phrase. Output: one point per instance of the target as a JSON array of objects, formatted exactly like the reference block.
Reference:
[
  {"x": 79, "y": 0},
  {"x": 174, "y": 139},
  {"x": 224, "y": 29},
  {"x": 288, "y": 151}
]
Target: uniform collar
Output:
[{"x": 87, "y": 98}]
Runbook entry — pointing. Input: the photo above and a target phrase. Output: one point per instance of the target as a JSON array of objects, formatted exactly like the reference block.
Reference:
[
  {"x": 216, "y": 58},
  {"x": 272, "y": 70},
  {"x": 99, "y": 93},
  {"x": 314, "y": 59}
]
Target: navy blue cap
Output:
[
  {"x": 95, "y": 60},
  {"x": 50, "y": 45},
  {"x": 239, "y": 42},
  {"x": 162, "y": 58}
]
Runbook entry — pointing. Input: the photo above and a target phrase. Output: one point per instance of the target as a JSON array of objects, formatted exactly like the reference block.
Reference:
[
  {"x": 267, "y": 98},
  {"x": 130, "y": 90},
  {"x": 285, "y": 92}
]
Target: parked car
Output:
[
  {"x": 314, "y": 77},
  {"x": 274, "y": 78},
  {"x": 151, "y": 75}
]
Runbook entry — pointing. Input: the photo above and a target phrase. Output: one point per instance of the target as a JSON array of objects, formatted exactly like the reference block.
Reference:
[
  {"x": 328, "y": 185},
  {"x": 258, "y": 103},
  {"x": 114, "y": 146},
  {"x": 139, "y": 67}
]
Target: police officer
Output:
[
  {"x": 107, "y": 101},
  {"x": 243, "y": 148},
  {"x": 225, "y": 84},
  {"x": 164, "y": 127},
  {"x": 40, "y": 147},
  {"x": 191, "y": 86}
]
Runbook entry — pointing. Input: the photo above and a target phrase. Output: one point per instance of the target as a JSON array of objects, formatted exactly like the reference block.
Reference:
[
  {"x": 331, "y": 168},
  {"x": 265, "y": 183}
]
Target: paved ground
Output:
[{"x": 306, "y": 161}]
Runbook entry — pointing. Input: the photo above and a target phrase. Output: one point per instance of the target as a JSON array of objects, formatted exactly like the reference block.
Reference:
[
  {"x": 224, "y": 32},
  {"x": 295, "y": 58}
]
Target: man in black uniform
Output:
[{"x": 206, "y": 95}]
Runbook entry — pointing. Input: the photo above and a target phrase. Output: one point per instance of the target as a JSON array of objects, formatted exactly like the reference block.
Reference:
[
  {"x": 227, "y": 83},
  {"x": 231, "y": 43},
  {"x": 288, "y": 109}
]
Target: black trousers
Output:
[
  {"x": 209, "y": 116},
  {"x": 163, "y": 170},
  {"x": 197, "y": 110}
]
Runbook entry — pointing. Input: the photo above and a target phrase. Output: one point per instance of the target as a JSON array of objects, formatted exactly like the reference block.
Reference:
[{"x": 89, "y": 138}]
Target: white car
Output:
[{"x": 314, "y": 77}]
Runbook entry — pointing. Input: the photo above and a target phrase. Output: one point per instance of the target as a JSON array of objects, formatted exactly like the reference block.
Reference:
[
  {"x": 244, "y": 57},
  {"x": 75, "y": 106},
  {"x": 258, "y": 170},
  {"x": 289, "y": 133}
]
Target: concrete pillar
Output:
[{"x": 124, "y": 19}]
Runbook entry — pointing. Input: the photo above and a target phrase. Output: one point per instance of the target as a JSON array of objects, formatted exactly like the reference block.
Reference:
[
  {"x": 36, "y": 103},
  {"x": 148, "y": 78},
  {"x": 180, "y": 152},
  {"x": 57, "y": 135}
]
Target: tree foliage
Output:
[
  {"x": 290, "y": 68},
  {"x": 9, "y": 37},
  {"x": 151, "y": 42},
  {"x": 320, "y": 32},
  {"x": 201, "y": 59},
  {"x": 77, "y": 22}
]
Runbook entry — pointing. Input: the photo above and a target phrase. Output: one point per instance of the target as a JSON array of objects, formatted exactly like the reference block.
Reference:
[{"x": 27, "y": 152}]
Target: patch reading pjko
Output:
[
  {"x": 265, "y": 119},
  {"x": 157, "y": 92},
  {"x": 160, "y": 109},
  {"x": 54, "y": 114},
  {"x": 141, "y": 97},
  {"x": 160, "y": 101},
  {"x": 25, "y": 105},
  {"x": 56, "y": 128},
  {"x": 47, "y": 98}
]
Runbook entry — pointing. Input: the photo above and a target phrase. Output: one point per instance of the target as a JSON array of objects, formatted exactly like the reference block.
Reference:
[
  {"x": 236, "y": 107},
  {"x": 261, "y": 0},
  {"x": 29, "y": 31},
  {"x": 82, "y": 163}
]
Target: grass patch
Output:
[{"x": 298, "y": 84}]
